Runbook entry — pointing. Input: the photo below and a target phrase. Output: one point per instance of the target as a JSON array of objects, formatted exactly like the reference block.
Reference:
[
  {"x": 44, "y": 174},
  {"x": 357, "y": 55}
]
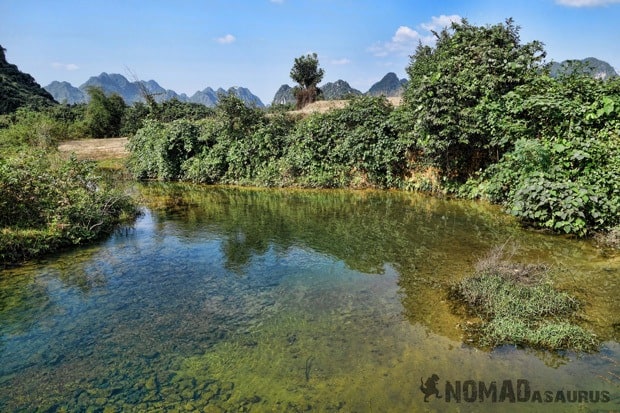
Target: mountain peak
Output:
[
  {"x": 389, "y": 86},
  {"x": 19, "y": 89},
  {"x": 591, "y": 66}
]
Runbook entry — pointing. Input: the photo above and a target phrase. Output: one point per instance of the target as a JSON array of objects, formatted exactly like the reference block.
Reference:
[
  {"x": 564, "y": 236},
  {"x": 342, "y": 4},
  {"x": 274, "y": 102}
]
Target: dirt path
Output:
[{"x": 96, "y": 149}]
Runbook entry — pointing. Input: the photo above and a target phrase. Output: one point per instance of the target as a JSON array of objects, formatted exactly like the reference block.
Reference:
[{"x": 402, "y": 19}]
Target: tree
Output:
[
  {"x": 104, "y": 114},
  {"x": 455, "y": 85},
  {"x": 307, "y": 74}
]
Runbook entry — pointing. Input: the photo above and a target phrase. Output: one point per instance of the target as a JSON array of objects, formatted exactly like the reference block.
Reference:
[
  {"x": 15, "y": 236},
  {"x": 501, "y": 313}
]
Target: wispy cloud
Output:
[
  {"x": 228, "y": 39},
  {"x": 277, "y": 1},
  {"x": 586, "y": 3},
  {"x": 340, "y": 62},
  {"x": 65, "y": 66},
  {"x": 439, "y": 23},
  {"x": 406, "y": 39}
]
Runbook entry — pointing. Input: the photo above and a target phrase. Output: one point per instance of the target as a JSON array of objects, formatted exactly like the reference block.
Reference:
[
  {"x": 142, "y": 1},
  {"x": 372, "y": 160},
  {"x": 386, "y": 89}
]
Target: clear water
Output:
[{"x": 226, "y": 299}]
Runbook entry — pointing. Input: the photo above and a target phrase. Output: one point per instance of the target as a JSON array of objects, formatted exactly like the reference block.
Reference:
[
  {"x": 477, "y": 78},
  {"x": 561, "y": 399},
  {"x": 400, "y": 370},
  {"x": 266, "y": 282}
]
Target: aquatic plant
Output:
[{"x": 516, "y": 304}]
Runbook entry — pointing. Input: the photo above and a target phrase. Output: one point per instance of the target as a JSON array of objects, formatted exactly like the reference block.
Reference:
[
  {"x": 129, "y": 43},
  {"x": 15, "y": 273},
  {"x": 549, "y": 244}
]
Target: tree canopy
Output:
[
  {"x": 307, "y": 73},
  {"x": 453, "y": 84}
]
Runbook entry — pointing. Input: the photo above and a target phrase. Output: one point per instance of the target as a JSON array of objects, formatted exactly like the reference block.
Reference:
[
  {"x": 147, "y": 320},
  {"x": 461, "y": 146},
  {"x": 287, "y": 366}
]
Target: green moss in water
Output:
[{"x": 517, "y": 305}]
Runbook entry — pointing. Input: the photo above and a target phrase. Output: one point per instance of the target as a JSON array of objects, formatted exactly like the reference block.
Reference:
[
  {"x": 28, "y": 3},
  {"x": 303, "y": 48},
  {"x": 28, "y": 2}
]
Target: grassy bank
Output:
[{"x": 49, "y": 203}]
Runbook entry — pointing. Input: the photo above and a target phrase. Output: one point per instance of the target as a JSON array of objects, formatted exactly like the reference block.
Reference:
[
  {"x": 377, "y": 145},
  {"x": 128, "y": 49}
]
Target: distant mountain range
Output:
[
  {"x": 389, "y": 86},
  {"x": 131, "y": 92}
]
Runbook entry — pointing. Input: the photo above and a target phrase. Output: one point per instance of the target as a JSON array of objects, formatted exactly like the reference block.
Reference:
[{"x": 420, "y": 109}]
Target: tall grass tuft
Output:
[{"x": 516, "y": 304}]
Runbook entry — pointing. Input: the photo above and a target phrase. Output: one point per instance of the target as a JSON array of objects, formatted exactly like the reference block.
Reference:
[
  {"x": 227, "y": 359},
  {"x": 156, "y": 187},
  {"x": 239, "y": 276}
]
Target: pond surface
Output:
[{"x": 227, "y": 299}]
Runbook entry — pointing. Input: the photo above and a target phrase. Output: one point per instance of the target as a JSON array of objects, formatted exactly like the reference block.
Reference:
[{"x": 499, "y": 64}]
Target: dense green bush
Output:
[
  {"x": 454, "y": 85},
  {"x": 27, "y": 128},
  {"x": 159, "y": 149},
  {"x": 48, "y": 203},
  {"x": 357, "y": 146},
  {"x": 564, "y": 171}
]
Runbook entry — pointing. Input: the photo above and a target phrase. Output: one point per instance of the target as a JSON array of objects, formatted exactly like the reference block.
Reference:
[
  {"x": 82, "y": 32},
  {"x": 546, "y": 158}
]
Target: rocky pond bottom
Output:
[{"x": 225, "y": 299}]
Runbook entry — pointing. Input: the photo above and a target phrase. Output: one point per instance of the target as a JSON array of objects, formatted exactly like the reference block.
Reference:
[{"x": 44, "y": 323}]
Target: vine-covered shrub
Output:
[
  {"x": 564, "y": 173},
  {"x": 455, "y": 85},
  {"x": 159, "y": 149},
  {"x": 356, "y": 146},
  {"x": 48, "y": 203}
]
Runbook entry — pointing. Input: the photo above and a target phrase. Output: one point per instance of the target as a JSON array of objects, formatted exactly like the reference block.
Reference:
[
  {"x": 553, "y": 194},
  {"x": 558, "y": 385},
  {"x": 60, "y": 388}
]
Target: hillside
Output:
[
  {"x": 19, "y": 89},
  {"x": 592, "y": 66}
]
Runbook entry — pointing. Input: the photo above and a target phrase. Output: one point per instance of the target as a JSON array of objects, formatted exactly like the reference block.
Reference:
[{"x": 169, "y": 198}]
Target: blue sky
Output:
[{"x": 187, "y": 45}]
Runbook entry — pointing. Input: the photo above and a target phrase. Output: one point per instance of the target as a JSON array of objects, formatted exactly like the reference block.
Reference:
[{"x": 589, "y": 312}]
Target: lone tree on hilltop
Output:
[{"x": 307, "y": 74}]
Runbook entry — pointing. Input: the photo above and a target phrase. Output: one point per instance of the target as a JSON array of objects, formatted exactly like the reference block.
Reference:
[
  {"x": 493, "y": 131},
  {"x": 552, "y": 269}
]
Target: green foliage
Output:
[
  {"x": 159, "y": 149},
  {"x": 134, "y": 118},
  {"x": 354, "y": 146},
  {"x": 453, "y": 84},
  {"x": 564, "y": 171},
  {"x": 308, "y": 75},
  {"x": 48, "y": 203},
  {"x": 104, "y": 114},
  {"x": 306, "y": 71},
  {"x": 517, "y": 305},
  {"x": 27, "y": 128}
]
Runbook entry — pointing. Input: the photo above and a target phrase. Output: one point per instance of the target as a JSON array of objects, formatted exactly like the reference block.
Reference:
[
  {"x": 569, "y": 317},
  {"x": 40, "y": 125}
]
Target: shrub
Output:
[
  {"x": 158, "y": 150},
  {"x": 358, "y": 145},
  {"x": 49, "y": 203}
]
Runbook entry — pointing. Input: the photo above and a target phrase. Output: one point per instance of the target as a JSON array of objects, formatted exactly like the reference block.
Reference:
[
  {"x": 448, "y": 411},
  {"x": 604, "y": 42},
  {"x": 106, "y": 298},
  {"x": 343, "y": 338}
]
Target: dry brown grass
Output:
[
  {"x": 96, "y": 149},
  {"x": 323, "y": 106}
]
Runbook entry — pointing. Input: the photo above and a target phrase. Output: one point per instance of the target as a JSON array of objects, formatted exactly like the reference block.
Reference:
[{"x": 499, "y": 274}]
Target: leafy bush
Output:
[
  {"x": 158, "y": 149},
  {"x": 48, "y": 203},
  {"x": 358, "y": 145},
  {"x": 454, "y": 86},
  {"x": 26, "y": 128},
  {"x": 566, "y": 176}
]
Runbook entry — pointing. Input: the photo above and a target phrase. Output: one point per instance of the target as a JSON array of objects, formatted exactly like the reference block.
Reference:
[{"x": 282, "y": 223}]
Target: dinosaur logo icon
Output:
[{"x": 429, "y": 387}]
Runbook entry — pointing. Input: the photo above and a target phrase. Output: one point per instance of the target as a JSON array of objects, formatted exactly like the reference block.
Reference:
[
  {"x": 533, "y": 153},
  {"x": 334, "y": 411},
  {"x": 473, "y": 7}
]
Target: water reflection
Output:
[{"x": 257, "y": 300}]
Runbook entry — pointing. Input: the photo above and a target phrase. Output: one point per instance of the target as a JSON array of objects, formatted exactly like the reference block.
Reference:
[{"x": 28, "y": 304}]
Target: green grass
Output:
[{"x": 516, "y": 304}]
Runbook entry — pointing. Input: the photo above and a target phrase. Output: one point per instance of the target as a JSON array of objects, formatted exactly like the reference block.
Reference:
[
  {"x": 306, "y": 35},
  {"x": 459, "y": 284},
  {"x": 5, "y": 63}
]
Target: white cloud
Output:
[
  {"x": 228, "y": 39},
  {"x": 405, "y": 34},
  {"x": 586, "y": 3},
  {"x": 441, "y": 22},
  {"x": 65, "y": 66},
  {"x": 406, "y": 39},
  {"x": 340, "y": 62}
]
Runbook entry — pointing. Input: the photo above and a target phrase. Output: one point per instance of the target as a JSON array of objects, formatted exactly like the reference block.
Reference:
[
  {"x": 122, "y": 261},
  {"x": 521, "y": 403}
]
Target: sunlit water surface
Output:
[{"x": 226, "y": 299}]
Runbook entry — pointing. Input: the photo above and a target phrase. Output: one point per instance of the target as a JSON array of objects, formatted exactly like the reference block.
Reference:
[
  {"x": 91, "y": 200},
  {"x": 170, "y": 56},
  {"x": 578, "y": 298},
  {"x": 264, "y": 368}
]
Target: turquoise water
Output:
[{"x": 226, "y": 299}]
